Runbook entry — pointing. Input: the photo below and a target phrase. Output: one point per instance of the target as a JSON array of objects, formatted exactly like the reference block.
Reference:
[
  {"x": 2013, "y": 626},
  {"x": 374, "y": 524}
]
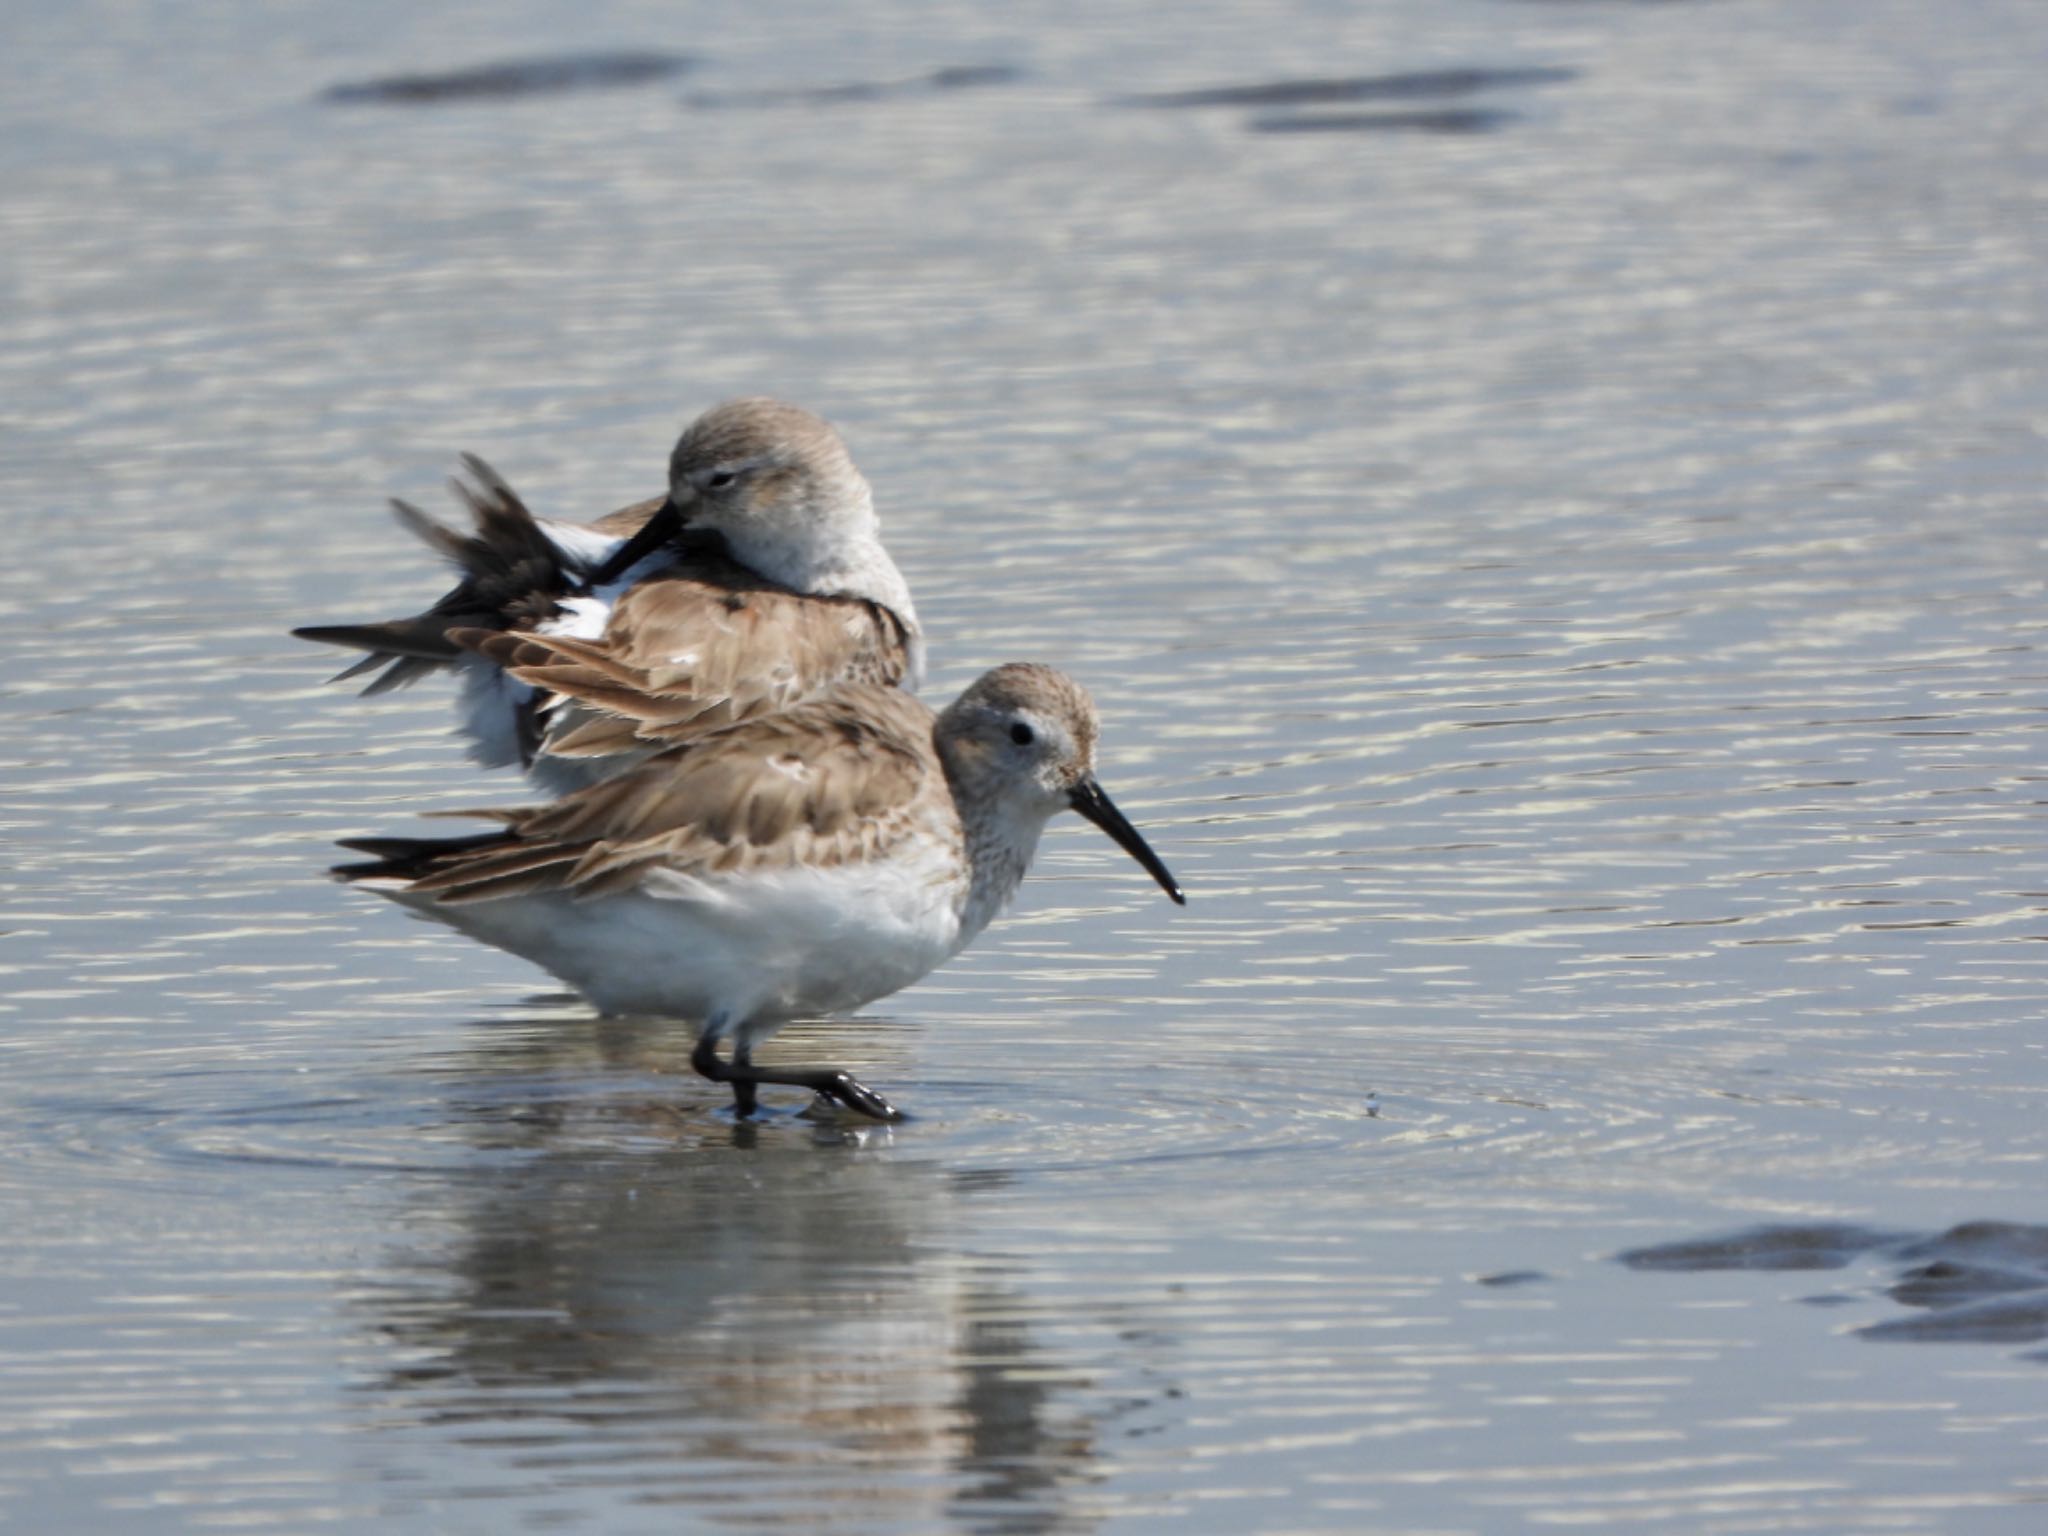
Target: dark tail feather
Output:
[
  {"x": 403, "y": 672},
  {"x": 508, "y": 549},
  {"x": 369, "y": 663},
  {"x": 512, "y": 572},
  {"x": 437, "y": 536},
  {"x": 407, "y": 858},
  {"x": 416, "y": 638},
  {"x": 405, "y": 650}
]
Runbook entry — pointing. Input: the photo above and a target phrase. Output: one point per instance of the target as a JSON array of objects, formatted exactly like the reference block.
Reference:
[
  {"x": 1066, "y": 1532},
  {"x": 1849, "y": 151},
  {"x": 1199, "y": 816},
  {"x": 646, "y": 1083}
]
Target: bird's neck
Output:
[
  {"x": 845, "y": 561},
  {"x": 1000, "y": 834},
  {"x": 998, "y": 854}
]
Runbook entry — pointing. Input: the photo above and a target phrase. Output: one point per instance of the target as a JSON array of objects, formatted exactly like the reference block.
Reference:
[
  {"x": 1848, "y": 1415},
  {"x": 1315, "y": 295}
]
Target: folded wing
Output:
[
  {"x": 835, "y": 780},
  {"x": 703, "y": 646}
]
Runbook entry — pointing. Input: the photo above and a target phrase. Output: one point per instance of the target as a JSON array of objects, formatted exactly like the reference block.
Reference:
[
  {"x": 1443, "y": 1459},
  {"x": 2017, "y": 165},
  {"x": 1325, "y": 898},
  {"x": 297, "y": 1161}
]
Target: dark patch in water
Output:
[
  {"x": 2003, "y": 1320},
  {"x": 1985, "y": 1241},
  {"x": 1979, "y": 1282},
  {"x": 1449, "y": 120},
  {"x": 1513, "y": 1277},
  {"x": 547, "y": 75},
  {"x": 953, "y": 77},
  {"x": 1946, "y": 1284},
  {"x": 1330, "y": 91},
  {"x": 1823, "y": 1245}
]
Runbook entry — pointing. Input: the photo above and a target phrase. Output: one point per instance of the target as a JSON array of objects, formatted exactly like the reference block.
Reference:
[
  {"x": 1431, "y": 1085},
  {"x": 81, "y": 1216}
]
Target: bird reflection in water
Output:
[{"x": 687, "y": 1303}]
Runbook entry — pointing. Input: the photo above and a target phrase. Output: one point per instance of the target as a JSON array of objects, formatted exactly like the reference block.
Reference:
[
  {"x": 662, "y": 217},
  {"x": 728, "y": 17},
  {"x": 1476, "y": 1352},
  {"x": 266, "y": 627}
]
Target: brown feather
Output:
[
  {"x": 593, "y": 736},
  {"x": 835, "y": 779},
  {"x": 682, "y": 654}
]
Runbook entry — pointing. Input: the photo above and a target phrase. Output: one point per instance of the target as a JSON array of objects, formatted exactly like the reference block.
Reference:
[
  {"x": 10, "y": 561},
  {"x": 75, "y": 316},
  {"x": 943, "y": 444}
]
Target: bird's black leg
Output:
[
  {"x": 744, "y": 1100},
  {"x": 839, "y": 1086},
  {"x": 704, "y": 1060},
  {"x": 835, "y": 1083}
]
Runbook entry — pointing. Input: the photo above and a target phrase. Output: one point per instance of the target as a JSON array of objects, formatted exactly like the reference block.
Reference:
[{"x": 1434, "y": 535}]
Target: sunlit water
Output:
[{"x": 1554, "y": 527}]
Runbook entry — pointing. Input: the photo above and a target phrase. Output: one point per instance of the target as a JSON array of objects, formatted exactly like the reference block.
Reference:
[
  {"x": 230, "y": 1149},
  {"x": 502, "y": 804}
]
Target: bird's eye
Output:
[
  {"x": 721, "y": 478},
  {"x": 1020, "y": 733}
]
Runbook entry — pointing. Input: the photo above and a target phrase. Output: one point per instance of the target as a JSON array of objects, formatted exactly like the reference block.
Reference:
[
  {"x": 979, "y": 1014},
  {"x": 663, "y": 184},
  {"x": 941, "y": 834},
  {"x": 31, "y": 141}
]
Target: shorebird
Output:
[
  {"x": 793, "y": 865},
  {"x": 760, "y": 580}
]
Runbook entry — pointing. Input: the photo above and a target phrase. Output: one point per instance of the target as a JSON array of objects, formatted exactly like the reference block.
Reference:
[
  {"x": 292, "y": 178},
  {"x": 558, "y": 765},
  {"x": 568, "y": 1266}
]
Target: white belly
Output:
[{"x": 755, "y": 950}]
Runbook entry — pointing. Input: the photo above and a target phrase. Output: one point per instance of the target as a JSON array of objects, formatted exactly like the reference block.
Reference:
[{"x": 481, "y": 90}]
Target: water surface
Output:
[{"x": 1564, "y": 598}]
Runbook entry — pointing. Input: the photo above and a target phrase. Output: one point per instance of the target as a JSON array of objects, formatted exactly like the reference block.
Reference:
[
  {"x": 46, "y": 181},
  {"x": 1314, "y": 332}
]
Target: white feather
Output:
[
  {"x": 761, "y": 945},
  {"x": 489, "y": 704},
  {"x": 586, "y": 546}
]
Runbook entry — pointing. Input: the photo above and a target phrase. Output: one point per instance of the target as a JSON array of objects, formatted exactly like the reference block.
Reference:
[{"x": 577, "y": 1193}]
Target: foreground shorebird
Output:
[
  {"x": 760, "y": 580},
  {"x": 797, "y": 864}
]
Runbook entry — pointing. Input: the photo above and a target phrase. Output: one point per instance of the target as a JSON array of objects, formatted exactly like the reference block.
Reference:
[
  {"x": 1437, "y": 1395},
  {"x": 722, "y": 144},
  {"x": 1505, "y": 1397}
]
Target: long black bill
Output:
[
  {"x": 1087, "y": 798},
  {"x": 660, "y": 529}
]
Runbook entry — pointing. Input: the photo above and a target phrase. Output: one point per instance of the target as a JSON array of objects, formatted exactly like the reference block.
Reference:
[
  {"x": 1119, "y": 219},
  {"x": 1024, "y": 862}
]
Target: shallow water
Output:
[{"x": 1564, "y": 594}]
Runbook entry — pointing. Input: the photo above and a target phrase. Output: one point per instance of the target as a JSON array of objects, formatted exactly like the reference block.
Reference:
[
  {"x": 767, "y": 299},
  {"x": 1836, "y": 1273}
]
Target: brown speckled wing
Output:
[
  {"x": 833, "y": 781},
  {"x": 694, "y": 650}
]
